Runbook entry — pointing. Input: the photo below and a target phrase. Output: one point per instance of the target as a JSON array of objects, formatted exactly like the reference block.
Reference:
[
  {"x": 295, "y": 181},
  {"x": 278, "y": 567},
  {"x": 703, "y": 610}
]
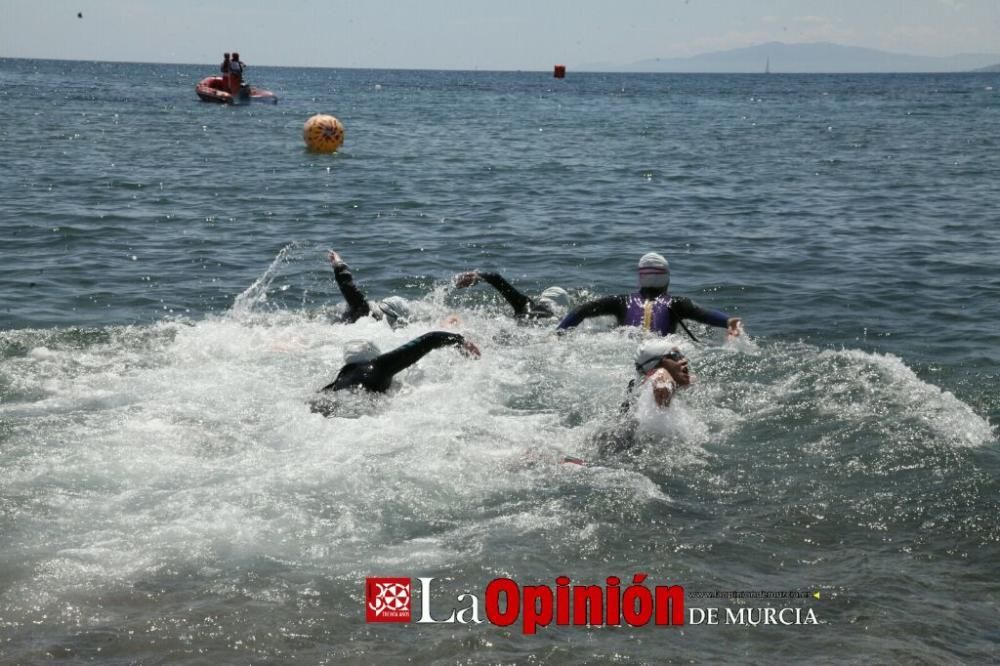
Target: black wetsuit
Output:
[
  {"x": 631, "y": 396},
  {"x": 524, "y": 307},
  {"x": 376, "y": 374},
  {"x": 357, "y": 305},
  {"x": 679, "y": 308},
  {"x": 619, "y": 436}
]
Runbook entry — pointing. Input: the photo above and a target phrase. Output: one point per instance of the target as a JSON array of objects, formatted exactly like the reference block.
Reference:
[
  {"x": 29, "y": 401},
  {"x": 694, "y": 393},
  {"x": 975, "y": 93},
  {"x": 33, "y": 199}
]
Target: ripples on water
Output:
[{"x": 168, "y": 495}]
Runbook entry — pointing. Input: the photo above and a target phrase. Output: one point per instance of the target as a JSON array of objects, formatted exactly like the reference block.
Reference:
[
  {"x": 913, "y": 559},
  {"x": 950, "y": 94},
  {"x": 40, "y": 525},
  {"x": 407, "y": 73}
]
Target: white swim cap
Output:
[
  {"x": 654, "y": 271},
  {"x": 360, "y": 351},
  {"x": 556, "y": 296},
  {"x": 395, "y": 310},
  {"x": 653, "y": 350}
]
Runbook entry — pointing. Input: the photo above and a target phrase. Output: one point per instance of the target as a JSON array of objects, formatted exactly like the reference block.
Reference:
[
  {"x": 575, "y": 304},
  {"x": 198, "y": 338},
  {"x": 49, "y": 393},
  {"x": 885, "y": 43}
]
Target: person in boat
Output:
[
  {"x": 366, "y": 369},
  {"x": 394, "y": 309},
  {"x": 224, "y": 68},
  {"x": 552, "y": 302},
  {"x": 236, "y": 70},
  {"x": 652, "y": 308}
]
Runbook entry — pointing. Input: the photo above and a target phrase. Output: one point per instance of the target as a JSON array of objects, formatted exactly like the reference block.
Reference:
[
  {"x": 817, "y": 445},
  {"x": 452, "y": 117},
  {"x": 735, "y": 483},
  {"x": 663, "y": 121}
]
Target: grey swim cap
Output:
[
  {"x": 654, "y": 271},
  {"x": 360, "y": 351}
]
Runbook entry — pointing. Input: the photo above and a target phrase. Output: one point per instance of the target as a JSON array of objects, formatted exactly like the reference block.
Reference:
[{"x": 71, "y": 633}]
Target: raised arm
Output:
[
  {"x": 613, "y": 306},
  {"x": 357, "y": 304},
  {"x": 401, "y": 358},
  {"x": 517, "y": 300},
  {"x": 685, "y": 308}
]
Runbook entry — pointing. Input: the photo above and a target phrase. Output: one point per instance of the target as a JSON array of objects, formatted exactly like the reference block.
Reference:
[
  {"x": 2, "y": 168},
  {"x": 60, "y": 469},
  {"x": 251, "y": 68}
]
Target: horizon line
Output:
[{"x": 507, "y": 71}]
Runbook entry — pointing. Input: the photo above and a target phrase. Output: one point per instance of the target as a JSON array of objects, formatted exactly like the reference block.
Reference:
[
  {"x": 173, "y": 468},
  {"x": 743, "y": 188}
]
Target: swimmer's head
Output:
[
  {"x": 659, "y": 353},
  {"x": 360, "y": 351},
  {"x": 395, "y": 310},
  {"x": 555, "y": 298},
  {"x": 654, "y": 271},
  {"x": 236, "y": 56},
  {"x": 649, "y": 353}
]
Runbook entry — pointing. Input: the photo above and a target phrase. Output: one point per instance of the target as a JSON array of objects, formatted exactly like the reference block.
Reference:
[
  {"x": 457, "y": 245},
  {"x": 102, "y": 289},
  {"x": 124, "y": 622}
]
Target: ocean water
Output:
[{"x": 166, "y": 496}]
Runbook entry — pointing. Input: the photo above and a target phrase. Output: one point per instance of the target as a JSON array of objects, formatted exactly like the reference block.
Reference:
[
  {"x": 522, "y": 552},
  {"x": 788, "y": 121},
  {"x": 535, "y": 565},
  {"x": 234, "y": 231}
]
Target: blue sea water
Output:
[{"x": 166, "y": 496}]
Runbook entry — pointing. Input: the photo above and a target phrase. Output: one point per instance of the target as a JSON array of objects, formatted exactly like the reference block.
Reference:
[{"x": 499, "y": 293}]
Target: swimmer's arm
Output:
[
  {"x": 664, "y": 387},
  {"x": 357, "y": 304},
  {"x": 346, "y": 378},
  {"x": 685, "y": 308},
  {"x": 629, "y": 401},
  {"x": 613, "y": 306},
  {"x": 517, "y": 300},
  {"x": 401, "y": 358}
]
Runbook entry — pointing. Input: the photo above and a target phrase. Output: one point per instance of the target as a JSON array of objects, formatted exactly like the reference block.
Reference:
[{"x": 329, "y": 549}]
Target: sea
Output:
[{"x": 168, "y": 497}]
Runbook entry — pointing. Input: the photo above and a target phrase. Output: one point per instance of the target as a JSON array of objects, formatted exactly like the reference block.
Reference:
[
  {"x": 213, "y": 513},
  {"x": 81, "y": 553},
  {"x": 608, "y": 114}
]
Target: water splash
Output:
[
  {"x": 254, "y": 296},
  {"x": 185, "y": 453}
]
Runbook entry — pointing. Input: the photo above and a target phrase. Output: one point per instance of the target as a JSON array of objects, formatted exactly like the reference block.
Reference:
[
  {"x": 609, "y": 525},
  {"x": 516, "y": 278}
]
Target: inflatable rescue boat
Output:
[{"x": 215, "y": 89}]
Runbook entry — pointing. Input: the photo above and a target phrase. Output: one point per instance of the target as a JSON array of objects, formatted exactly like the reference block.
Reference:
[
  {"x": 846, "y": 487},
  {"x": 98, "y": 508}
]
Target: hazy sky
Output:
[{"x": 469, "y": 34}]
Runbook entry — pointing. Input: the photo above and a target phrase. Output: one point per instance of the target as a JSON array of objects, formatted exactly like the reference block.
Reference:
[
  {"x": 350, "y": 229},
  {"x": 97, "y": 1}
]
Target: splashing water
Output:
[{"x": 184, "y": 453}]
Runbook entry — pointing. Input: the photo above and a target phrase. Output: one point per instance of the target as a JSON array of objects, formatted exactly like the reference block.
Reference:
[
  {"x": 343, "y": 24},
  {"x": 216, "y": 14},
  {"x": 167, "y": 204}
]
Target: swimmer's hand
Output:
[
  {"x": 470, "y": 349},
  {"x": 467, "y": 279},
  {"x": 335, "y": 259},
  {"x": 734, "y": 327},
  {"x": 663, "y": 387}
]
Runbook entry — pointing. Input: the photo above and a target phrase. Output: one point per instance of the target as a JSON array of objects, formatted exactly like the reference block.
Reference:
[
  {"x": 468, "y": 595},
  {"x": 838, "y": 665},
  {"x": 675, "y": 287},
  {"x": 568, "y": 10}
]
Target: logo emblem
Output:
[{"x": 387, "y": 599}]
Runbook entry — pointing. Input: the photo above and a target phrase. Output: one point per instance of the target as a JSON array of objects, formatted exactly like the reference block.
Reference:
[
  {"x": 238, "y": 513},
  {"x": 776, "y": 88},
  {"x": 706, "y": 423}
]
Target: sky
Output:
[{"x": 476, "y": 34}]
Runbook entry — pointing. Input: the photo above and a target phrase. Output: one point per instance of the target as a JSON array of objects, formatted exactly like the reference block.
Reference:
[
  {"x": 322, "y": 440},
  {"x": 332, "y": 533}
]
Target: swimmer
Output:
[
  {"x": 393, "y": 309},
  {"x": 367, "y": 369},
  {"x": 652, "y": 308},
  {"x": 662, "y": 366},
  {"x": 552, "y": 302}
]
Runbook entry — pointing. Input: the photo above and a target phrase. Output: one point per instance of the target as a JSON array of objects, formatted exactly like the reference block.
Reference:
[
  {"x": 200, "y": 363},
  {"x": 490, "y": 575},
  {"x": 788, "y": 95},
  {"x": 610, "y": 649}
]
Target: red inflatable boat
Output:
[{"x": 215, "y": 89}]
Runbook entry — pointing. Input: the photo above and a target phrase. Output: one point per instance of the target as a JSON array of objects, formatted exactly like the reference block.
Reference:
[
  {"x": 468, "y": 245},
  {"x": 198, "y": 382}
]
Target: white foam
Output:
[{"x": 191, "y": 444}]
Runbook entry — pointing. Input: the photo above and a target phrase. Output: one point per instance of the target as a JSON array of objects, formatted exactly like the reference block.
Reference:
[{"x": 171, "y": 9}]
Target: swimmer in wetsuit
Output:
[
  {"x": 366, "y": 369},
  {"x": 393, "y": 309},
  {"x": 551, "y": 303},
  {"x": 664, "y": 367},
  {"x": 652, "y": 308},
  {"x": 659, "y": 364}
]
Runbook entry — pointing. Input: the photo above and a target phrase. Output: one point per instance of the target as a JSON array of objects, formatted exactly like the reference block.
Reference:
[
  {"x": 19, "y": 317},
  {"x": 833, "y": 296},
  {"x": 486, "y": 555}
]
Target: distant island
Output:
[{"x": 809, "y": 58}]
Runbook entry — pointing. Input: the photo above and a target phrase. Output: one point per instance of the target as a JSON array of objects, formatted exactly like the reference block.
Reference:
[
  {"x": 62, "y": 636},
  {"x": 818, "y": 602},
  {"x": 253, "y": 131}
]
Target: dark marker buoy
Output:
[
  {"x": 559, "y": 71},
  {"x": 79, "y": 14}
]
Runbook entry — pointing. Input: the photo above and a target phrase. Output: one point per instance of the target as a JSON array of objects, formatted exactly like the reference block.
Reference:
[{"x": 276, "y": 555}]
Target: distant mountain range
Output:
[{"x": 818, "y": 57}]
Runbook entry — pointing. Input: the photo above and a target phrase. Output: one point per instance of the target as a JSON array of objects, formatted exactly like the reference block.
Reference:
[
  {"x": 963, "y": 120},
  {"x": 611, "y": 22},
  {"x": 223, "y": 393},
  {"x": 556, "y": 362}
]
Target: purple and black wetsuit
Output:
[{"x": 651, "y": 309}]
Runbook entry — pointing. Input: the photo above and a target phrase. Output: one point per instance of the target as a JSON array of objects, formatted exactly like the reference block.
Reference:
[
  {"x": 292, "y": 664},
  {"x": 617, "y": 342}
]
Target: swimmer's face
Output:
[{"x": 677, "y": 365}]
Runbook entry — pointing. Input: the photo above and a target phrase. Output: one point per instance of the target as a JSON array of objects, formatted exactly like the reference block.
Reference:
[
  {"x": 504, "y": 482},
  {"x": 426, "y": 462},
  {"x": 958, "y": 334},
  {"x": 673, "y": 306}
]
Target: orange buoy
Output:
[
  {"x": 559, "y": 71},
  {"x": 323, "y": 133}
]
